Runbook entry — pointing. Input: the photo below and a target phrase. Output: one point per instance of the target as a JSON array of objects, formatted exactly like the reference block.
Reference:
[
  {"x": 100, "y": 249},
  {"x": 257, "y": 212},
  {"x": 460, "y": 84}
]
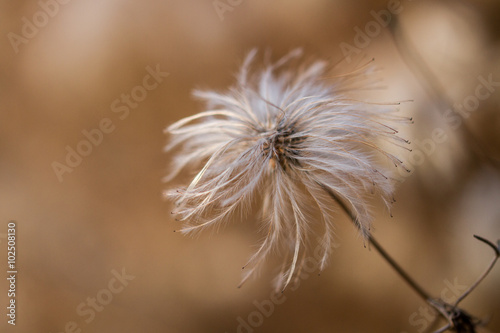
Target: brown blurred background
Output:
[{"x": 61, "y": 78}]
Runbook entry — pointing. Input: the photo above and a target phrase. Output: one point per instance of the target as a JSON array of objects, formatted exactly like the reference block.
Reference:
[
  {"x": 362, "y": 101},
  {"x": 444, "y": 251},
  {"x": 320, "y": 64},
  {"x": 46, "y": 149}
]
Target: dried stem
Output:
[
  {"x": 411, "y": 282},
  {"x": 414, "y": 285},
  {"x": 458, "y": 320},
  {"x": 486, "y": 272}
]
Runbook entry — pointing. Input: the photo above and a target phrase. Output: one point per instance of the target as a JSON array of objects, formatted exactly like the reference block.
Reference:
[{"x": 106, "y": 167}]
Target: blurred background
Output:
[{"x": 66, "y": 69}]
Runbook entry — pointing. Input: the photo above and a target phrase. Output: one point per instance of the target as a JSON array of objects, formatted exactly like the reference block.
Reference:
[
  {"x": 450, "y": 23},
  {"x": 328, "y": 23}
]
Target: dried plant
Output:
[
  {"x": 289, "y": 144},
  {"x": 280, "y": 143}
]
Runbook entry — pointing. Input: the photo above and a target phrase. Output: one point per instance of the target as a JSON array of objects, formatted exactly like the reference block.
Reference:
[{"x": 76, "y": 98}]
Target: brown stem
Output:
[
  {"x": 458, "y": 320},
  {"x": 402, "y": 273},
  {"x": 485, "y": 273},
  {"x": 413, "y": 284}
]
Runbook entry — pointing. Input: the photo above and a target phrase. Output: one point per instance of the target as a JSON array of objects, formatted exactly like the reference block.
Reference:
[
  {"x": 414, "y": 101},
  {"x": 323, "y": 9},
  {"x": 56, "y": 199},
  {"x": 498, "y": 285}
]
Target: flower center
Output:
[{"x": 282, "y": 147}]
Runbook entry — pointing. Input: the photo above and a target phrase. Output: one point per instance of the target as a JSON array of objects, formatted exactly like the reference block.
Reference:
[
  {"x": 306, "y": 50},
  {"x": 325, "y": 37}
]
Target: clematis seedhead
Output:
[{"x": 276, "y": 146}]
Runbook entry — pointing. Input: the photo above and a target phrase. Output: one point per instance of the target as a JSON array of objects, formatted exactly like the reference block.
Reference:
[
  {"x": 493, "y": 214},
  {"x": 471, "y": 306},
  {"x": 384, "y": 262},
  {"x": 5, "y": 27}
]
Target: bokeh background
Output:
[{"x": 108, "y": 213}]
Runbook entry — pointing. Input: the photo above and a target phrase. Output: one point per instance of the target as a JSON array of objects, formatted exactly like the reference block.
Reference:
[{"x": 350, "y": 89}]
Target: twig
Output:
[
  {"x": 486, "y": 272},
  {"x": 457, "y": 319},
  {"x": 411, "y": 282}
]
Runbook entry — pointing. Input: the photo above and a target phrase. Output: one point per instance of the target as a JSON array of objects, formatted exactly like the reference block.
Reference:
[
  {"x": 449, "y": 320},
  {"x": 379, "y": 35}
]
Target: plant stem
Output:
[
  {"x": 458, "y": 320},
  {"x": 402, "y": 273},
  {"x": 414, "y": 285},
  {"x": 485, "y": 273}
]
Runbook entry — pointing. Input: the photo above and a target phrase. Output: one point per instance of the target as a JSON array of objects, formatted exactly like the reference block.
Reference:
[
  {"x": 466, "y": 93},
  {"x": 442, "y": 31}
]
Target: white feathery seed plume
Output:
[{"x": 276, "y": 144}]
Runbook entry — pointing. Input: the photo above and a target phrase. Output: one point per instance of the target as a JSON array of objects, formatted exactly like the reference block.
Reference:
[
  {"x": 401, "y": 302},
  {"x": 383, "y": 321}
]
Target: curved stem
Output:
[{"x": 485, "y": 273}]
